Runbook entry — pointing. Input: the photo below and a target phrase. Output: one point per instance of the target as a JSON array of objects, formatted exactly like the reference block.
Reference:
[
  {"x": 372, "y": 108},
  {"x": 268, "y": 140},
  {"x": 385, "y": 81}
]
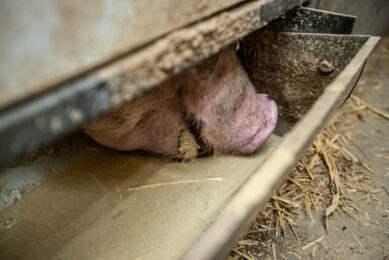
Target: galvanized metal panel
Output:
[{"x": 372, "y": 15}]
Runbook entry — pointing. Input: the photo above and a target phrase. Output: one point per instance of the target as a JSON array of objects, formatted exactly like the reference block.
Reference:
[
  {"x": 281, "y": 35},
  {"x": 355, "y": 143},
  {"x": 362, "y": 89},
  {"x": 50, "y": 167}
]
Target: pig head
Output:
[
  {"x": 233, "y": 118},
  {"x": 213, "y": 105}
]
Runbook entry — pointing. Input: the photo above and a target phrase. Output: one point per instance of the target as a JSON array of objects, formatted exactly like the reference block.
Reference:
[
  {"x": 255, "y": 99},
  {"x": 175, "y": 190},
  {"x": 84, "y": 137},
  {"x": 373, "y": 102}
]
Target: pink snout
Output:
[
  {"x": 249, "y": 128},
  {"x": 268, "y": 107}
]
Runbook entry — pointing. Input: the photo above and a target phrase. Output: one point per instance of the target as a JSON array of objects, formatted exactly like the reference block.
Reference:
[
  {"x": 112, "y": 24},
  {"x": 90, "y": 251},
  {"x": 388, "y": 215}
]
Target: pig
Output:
[
  {"x": 153, "y": 122},
  {"x": 211, "y": 106},
  {"x": 233, "y": 117}
]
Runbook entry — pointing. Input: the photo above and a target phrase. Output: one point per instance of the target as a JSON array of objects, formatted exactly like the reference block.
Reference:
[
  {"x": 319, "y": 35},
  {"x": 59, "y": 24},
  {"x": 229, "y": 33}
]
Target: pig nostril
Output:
[{"x": 269, "y": 98}]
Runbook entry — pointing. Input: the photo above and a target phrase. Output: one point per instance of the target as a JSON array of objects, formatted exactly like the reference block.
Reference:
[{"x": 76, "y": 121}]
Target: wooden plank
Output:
[{"x": 44, "y": 42}]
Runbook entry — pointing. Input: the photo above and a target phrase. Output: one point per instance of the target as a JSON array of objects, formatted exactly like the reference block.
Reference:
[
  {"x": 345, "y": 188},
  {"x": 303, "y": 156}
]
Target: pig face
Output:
[
  {"x": 217, "y": 96},
  {"x": 232, "y": 116}
]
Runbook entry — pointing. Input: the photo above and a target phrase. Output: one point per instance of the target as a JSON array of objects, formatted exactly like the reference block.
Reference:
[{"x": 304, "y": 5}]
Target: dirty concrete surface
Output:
[{"x": 365, "y": 234}]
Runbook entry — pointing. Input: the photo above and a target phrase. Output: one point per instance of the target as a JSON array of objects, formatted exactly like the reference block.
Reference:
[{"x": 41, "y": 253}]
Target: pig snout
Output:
[
  {"x": 249, "y": 127},
  {"x": 233, "y": 117},
  {"x": 263, "y": 127}
]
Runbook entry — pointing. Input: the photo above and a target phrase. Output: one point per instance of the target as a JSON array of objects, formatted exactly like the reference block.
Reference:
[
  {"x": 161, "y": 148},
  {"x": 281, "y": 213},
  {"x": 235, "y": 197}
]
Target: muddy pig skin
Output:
[{"x": 215, "y": 98}]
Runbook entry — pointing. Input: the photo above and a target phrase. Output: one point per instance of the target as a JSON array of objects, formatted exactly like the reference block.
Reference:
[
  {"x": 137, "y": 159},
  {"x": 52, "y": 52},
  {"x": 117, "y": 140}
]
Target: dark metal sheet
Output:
[{"x": 309, "y": 20}]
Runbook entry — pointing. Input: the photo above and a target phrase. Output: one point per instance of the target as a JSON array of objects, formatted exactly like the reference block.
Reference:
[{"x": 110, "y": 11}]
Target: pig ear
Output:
[
  {"x": 188, "y": 80},
  {"x": 205, "y": 68},
  {"x": 228, "y": 61}
]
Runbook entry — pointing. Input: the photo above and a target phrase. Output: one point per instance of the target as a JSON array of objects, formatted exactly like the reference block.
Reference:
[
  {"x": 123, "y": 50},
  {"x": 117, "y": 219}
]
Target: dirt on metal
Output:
[{"x": 335, "y": 202}]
